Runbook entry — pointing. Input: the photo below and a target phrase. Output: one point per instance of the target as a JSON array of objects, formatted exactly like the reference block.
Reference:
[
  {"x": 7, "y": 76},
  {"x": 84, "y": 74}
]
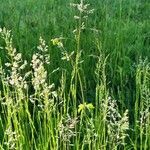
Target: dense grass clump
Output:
[{"x": 74, "y": 77}]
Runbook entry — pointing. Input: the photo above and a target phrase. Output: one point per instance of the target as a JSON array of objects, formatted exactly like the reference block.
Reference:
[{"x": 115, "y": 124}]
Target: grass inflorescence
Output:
[{"x": 74, "y": 77}]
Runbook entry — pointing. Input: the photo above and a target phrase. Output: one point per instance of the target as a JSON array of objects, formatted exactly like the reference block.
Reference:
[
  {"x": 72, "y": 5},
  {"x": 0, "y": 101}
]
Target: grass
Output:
[{"x": 74, "y": 78}]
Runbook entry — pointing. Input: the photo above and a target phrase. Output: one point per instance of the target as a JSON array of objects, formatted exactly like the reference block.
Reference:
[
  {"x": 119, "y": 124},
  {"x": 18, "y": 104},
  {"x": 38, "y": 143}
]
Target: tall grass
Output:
[{"x": 86, "y": 86}]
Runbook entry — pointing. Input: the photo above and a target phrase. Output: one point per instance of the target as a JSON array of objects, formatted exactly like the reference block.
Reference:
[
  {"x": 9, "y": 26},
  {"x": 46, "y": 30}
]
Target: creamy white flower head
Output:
[{"x": 18, "y": 57}]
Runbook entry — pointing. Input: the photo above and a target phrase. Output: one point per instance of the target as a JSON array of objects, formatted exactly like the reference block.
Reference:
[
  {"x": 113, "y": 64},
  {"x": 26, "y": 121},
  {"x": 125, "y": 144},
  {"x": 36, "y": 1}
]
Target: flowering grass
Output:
[{"x": 74, "y": 77}]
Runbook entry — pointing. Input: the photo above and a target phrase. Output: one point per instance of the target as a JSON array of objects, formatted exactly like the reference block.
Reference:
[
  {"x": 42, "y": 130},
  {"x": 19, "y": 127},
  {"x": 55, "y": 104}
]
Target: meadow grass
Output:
[{"x": 74, "y": 76}]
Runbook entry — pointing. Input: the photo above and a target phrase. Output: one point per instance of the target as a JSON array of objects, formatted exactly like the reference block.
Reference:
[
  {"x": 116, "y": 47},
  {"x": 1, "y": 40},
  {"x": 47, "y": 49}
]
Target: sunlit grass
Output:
[{"x": 74, "y": 77}]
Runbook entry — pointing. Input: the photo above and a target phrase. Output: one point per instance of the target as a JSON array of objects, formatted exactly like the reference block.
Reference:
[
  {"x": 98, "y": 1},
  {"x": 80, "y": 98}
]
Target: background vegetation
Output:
[{"x": 85, "y": 83}]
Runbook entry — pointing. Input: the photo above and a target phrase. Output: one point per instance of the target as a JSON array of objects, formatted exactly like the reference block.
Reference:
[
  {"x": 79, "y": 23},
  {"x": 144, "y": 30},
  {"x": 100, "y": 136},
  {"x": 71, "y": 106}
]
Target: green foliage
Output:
[{"x": 87, "y": 83}]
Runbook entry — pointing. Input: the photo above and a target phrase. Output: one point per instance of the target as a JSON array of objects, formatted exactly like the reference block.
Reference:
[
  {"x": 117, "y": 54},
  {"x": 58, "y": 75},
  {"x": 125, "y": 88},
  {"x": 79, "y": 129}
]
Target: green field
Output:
[{"x": 74, "y": 75}]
